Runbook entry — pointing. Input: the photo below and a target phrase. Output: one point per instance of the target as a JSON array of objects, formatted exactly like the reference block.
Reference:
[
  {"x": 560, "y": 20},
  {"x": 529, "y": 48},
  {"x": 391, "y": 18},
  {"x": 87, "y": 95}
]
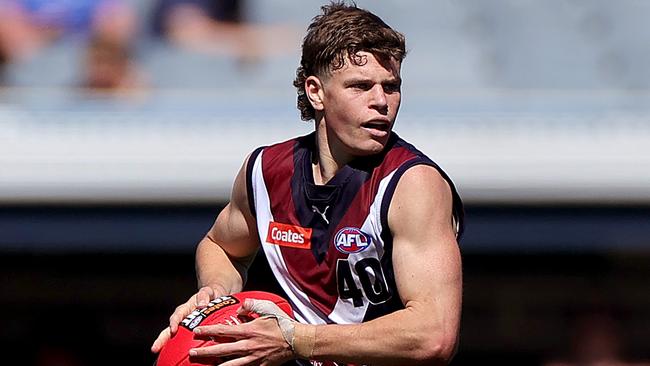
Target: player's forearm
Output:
[
  {"x": 406, "y": 337},
  {"x": 216, "y": 269}
]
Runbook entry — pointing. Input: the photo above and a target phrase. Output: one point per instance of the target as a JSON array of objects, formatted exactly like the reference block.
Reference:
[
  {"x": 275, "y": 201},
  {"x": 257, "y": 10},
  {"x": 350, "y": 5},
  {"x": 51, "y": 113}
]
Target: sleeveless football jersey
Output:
[{"x": 329, "y": 246}]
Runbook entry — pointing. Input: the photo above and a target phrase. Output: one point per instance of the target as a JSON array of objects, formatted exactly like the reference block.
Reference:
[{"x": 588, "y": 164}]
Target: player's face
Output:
[{"x": 360, "y": 104}]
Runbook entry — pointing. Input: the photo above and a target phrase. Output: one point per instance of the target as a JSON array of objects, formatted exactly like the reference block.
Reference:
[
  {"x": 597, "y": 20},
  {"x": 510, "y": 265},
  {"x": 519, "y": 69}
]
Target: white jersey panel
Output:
[{"x": 304, "y": 311}]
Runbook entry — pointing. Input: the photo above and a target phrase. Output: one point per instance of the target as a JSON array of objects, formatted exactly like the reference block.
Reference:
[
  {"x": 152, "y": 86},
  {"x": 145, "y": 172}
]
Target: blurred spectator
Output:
[
  {"x": 595, "y": 340},
  {"x": 220, "y": 26},
  {"x": 108, "y": 66},
  {"x": 28, "y": 25},
  {"x": 220, "y": 11}
]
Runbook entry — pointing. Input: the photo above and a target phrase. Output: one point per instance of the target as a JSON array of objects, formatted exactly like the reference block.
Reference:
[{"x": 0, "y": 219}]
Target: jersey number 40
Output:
[{"x": 368, "y": 274}]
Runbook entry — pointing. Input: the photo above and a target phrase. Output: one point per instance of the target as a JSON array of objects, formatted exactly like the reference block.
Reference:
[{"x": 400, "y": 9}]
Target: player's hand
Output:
[
  {"x": 258, "y": 342},
  {"x": 197, "y": 301}
]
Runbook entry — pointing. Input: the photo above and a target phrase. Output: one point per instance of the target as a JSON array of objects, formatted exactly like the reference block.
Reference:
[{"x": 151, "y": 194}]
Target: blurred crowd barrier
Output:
[{"x": 186, "y": 146}]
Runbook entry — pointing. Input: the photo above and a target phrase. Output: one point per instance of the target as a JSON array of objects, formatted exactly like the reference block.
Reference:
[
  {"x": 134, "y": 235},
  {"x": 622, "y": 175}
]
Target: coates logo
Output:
[
  {"x": 351, "y": 240},
  {"x": 289, "y": 235}
]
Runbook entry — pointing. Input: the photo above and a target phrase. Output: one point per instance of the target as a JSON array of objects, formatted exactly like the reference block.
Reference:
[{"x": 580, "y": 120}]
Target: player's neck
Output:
[
  {"x": 328, "y": 159},
  {"x": 324, "y": 169}
]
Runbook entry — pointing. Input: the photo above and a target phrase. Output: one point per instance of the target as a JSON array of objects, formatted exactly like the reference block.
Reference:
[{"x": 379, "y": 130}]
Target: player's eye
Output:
[
  {"x": 361, "y": 86},
  {"x": 392, "y": 88}
]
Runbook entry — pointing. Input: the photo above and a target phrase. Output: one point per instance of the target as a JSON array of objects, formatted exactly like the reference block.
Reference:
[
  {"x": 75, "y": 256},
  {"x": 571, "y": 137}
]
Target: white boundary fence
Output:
[{"x": 187, "y": 146}]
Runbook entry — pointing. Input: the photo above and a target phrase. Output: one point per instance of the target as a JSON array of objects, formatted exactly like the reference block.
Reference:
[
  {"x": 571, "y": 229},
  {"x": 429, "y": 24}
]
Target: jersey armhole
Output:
[{"x": 250, "y": 191}]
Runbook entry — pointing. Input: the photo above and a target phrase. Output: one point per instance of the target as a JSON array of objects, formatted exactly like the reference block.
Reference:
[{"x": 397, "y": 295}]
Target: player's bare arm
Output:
[
  {"x": 222, "y": 257},
  {"x": 427, "y": 267}
]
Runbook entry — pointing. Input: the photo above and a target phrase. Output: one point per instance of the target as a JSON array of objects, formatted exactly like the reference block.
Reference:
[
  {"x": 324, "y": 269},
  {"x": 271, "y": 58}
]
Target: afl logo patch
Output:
[{"x": 351, "y": 240}]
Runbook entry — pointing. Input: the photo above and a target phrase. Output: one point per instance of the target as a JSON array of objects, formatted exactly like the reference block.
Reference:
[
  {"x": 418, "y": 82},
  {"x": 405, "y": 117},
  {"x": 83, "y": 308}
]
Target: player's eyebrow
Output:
[
  {"x": 355, "y": 81},
  {"x": 393, "y": 81},
  {"x": 361, "y": 80}
]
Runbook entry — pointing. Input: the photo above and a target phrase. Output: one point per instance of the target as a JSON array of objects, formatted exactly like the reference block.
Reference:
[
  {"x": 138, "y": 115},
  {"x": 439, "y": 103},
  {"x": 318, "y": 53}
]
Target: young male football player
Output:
[{"x": 358, "y": 226}]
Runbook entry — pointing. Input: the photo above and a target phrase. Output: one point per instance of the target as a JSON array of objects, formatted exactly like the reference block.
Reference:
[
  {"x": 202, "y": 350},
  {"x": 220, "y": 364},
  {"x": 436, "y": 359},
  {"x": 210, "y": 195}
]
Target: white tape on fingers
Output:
[{"x": 268, "y": 309}]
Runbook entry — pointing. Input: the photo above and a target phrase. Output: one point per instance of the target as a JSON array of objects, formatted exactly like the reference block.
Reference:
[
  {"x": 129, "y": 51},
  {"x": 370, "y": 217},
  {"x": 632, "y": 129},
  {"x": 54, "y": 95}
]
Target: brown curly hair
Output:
[{"x": 338, "y": 33}]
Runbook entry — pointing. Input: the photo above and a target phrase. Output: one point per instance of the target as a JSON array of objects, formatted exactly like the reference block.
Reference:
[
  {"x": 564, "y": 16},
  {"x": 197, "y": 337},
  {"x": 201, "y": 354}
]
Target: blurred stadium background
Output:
[{"x": 539, "y": 110}]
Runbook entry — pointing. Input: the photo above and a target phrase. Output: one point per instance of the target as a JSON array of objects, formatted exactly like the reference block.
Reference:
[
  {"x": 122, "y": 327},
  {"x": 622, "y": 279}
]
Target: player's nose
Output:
[{"x": 378, "y": 99}]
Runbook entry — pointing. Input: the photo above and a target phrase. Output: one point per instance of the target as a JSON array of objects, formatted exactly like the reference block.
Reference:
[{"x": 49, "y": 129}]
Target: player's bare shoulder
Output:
[
  {"x": 234, "y": 228},
  {"x": 239, "y": 195},
  {"x": 422, "y": 197}
]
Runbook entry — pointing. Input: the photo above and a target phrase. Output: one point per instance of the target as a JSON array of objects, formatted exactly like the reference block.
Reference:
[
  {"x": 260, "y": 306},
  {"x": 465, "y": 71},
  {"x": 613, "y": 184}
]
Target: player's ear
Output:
[{"x": 314, "y": 92}]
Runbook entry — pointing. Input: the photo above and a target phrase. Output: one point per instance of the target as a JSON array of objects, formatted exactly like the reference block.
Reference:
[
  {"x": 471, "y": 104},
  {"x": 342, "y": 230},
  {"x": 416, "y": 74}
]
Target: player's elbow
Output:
[{"x": 435, "y": 350}]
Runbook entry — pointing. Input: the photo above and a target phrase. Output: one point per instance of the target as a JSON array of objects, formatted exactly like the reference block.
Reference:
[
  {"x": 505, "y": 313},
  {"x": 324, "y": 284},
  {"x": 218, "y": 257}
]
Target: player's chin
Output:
[{"x": 371, "y": 147}]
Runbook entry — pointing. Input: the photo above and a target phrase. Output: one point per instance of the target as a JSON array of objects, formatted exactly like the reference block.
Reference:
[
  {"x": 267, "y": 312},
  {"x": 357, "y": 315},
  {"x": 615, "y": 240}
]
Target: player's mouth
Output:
[{"x": 377, "y": 128}]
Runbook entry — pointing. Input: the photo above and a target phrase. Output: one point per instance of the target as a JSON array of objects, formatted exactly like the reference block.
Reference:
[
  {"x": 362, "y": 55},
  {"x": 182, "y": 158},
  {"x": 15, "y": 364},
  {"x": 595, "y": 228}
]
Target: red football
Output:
[{"x": 222, "y": 310}]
